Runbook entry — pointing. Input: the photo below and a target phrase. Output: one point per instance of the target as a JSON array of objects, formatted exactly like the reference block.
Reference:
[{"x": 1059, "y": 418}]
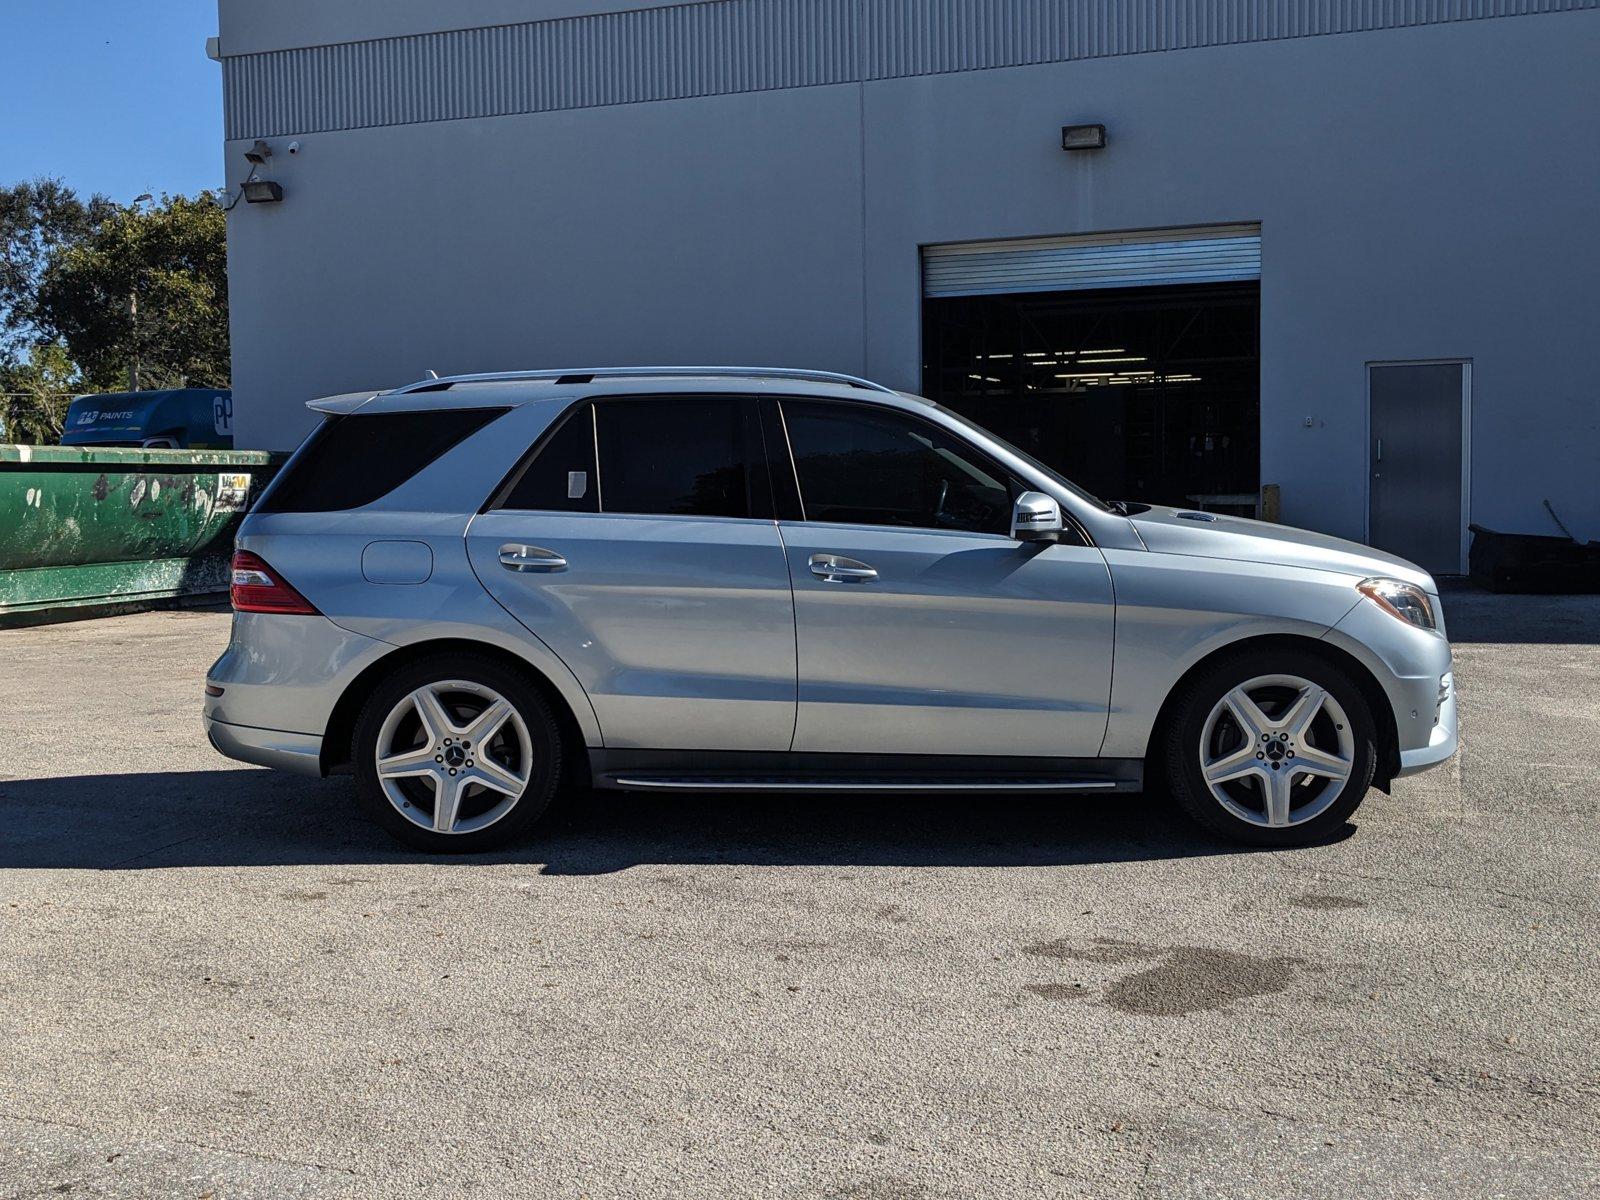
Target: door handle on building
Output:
[
  {"x": 531, "y": 558},
  {"x": 834, "y": 568},
  {"x": 1380, "y": 450}
]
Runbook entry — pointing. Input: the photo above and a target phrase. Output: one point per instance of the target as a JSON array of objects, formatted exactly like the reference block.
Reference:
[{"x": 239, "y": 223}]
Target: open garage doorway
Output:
[
  {"x": 1147, "y": 393},
  {"x": 1130, "y": 362}
]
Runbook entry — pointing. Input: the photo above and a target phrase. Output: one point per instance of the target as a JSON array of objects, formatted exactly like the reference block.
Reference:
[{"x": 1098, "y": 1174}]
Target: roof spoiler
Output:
[{"x": 342, "y": 405}]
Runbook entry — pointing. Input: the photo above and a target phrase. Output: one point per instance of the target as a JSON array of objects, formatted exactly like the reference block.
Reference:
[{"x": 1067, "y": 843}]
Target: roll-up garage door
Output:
[{"x": 1150, "y": 257}]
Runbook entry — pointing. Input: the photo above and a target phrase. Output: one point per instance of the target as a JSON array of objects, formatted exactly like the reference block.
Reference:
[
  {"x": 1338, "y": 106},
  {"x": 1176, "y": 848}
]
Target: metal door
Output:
[
  {"x": 1418, "y": 425},
  {"x": 679, "y": 625},
  {"x": 680, "y": 630},
  {"x": 954, "y": 643}
]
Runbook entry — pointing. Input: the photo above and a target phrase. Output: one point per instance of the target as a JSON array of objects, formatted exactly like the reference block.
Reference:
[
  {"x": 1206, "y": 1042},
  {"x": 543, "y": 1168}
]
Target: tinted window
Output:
[
  {"x": 863, "y": 466},
  {"x": 354, "y": 460},
  {"x": 561, "y": 476},
  {"x": 686, "y": 457}
]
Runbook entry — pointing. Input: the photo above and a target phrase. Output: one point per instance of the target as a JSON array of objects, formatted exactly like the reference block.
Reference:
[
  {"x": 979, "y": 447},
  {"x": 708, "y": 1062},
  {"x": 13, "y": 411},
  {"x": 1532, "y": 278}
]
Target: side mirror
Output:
[{"x": 1036, "y": 518}]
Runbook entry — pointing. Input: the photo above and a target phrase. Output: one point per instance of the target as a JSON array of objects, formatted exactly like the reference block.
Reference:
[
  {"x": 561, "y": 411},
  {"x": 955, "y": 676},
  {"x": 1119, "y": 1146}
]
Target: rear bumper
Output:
[{"x": 276, "y": 748}]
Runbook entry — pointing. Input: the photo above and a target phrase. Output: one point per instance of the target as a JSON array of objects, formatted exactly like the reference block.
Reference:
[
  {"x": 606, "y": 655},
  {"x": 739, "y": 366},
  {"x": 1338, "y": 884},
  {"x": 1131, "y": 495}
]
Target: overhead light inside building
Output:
[{"x": 1083, "y": 137}]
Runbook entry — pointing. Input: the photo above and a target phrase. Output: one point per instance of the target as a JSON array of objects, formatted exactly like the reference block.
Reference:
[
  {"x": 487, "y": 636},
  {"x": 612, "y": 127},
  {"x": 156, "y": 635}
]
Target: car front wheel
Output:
[
  {"x": 1271, "y": 748},
  {"x": 457, "y": 754}
]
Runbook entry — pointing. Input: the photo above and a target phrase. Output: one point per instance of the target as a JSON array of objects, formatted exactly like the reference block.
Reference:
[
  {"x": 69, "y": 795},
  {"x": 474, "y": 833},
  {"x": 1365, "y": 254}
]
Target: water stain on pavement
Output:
[
  {"x": 1183, "y": 979},
  {"x": 1327, "y": 902}
]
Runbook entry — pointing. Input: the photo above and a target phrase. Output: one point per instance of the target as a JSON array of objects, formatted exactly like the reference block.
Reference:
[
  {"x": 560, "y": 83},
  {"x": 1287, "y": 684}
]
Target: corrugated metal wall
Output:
[{"x": 724, "y": 46}]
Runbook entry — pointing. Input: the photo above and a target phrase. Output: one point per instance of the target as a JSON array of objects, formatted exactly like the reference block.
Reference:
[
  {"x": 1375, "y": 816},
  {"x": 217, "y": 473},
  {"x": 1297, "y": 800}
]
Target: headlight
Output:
[{"x": 1399, "y": 599}]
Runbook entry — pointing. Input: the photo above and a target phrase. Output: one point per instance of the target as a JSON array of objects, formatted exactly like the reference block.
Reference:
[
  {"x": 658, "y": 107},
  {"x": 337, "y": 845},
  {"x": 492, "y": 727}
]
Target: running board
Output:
[
  {"x": 726, "y": 783},
  {"x": 764, "y": 771}
]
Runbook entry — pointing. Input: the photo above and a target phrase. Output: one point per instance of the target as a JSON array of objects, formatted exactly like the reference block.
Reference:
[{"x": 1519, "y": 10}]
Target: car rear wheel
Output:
[
  {"x": 1271, "y": 748},
  {"x": 458, "y": 753}
]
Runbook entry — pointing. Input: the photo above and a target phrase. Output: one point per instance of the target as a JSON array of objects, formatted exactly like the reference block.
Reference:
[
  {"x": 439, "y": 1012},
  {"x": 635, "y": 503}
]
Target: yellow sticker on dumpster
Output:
[{"x": 232, "y": 491}]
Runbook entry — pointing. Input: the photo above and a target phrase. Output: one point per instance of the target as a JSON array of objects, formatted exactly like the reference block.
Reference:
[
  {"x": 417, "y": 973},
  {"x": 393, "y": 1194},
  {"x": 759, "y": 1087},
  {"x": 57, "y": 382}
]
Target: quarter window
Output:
[
  {"x": 350, "y": 461},
  {"x": 862, "y": 466}
]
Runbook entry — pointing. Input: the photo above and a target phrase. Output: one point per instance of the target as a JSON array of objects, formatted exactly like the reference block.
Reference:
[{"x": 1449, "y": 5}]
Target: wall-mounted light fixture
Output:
[
  {"x": 262, "y": 191},
  {"x": 1083, "y": 137},
  {"x": 259, "y": 153}
]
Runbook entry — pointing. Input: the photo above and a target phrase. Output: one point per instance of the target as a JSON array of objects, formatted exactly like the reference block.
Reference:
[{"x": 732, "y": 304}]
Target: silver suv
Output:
[{"x": 476, "y": 592}]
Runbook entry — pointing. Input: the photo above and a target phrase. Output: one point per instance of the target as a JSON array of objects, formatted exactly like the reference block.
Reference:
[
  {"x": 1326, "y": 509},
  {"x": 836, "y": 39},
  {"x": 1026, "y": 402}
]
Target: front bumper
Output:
[
  {"x": 1414, "y": 668},
  {"x": 1442, "y": 742},
  {"x": 276, "y": 748}
]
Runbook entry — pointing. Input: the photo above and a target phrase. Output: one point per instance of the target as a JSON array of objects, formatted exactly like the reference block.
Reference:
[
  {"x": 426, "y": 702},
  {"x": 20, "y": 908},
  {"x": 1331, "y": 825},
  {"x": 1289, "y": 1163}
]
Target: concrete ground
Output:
[{"x": 220, "y": 982}]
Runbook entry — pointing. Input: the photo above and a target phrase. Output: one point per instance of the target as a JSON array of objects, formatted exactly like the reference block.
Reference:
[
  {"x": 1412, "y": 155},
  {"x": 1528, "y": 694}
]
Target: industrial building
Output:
[{"x": 1181, "y": 250}]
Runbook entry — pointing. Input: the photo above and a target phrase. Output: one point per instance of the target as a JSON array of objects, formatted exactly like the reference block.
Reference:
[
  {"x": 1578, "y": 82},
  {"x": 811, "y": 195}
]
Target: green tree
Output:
[
  {"x": 35, "y": 392},
  {"x": 144, "y": 289},
  {"x": 37, "y": 220}
]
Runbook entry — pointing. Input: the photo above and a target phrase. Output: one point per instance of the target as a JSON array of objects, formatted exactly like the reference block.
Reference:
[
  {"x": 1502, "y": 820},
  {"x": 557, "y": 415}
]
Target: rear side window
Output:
[
  {"x": 354, "y": 460},
  {"x": 561, "y": 475},
  {"x": 679, "y": 457}
]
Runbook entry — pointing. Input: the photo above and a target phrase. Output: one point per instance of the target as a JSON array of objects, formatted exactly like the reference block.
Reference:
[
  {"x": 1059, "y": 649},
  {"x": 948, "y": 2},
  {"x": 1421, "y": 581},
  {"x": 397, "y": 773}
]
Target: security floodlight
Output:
[
  {"x": 263, "y": 191},
  {"x": 259, "y": 153},
  {"x": 1083, "y": 137}
]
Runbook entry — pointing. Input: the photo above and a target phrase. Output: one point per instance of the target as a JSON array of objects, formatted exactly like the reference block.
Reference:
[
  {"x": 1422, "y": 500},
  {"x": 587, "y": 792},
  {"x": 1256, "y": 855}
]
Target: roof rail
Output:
[{"x": 586, "y": 373}]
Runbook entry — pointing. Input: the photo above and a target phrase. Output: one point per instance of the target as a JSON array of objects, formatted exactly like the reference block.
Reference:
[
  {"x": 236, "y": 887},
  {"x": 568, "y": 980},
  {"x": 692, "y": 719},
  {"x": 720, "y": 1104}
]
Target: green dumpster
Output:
[{"x": 91, "y": 529}]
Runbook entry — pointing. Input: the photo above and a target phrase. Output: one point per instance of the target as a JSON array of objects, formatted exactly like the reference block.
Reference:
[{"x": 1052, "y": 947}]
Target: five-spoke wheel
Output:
[
  {"x": 1270, "y": 747},
  {"x": 457, "y": 754}
]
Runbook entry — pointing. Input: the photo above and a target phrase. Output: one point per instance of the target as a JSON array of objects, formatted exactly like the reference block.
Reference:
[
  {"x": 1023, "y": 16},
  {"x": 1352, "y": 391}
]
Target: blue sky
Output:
[{"x": 113, "y": 96}]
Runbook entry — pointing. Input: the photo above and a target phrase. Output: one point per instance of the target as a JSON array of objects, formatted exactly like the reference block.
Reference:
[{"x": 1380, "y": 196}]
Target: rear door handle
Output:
[
  {"x": 531, "y": 558},
  {"x": 835, "y": 568}
]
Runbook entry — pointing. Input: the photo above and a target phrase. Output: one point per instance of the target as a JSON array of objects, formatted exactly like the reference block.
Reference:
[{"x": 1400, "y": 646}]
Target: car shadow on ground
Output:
[{"x": 263, "y": 818}]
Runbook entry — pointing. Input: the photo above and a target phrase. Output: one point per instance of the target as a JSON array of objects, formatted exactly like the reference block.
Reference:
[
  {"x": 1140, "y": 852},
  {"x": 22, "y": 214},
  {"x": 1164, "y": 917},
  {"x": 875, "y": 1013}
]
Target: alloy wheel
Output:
[
  {"x": 454, "y": 757},
  {"x": 1277, "y": 750}
]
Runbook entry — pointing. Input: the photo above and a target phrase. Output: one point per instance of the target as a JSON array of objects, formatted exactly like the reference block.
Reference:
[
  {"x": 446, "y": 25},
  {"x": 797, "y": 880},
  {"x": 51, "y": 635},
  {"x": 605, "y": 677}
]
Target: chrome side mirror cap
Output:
[{"x": 1036, "y": 517}]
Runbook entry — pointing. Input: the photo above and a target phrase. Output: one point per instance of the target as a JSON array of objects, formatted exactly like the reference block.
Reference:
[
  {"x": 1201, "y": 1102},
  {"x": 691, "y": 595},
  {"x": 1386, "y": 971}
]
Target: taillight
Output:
[{"x": 257, "y": 588}]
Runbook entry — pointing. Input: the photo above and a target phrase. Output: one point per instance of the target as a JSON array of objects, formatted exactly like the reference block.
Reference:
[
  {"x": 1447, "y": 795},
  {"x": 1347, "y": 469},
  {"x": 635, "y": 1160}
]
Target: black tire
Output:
[
  {"x": 1180, "y": 742},
  {"x": 545, "y": 771}
]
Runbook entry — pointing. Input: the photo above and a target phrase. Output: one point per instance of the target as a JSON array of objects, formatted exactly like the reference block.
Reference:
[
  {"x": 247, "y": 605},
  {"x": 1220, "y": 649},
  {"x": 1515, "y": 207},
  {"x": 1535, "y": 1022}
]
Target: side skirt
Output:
[{"x": 747, "y": 771}]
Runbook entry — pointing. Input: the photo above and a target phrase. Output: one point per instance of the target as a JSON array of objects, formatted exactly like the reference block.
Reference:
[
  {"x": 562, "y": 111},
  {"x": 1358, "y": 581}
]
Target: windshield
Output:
[{"x": 1049, "y": 472}]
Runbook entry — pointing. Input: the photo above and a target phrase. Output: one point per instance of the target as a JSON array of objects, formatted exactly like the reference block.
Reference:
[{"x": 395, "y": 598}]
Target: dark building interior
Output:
[{"x": 1147, "y": 393}]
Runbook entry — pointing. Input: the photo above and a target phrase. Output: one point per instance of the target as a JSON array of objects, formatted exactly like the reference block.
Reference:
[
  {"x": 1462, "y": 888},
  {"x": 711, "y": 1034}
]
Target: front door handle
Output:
[
  {"x": 835, "y": 568},
  {"x": 531, "y": 558}
]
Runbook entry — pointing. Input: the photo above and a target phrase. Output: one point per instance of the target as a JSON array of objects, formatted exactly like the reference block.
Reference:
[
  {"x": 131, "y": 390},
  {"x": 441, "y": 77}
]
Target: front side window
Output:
[{"x": 864, "y": 466}]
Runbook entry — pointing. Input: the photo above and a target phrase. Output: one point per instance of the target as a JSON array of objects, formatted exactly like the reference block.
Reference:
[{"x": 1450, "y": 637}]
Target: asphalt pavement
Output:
[{"x": 216, "y": 981}]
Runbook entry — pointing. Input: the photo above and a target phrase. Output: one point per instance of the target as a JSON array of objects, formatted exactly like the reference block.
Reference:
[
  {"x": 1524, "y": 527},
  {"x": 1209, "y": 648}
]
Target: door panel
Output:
[
  {"x": 1415, "y": 460},
  {"x": 680, "y": 629},
  {"x": 962, "y": 643}
]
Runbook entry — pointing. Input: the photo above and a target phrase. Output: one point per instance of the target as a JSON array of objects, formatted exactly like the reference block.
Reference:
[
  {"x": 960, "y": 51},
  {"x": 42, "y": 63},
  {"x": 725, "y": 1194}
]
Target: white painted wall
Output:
[{"x": 1423, "y": 193}]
